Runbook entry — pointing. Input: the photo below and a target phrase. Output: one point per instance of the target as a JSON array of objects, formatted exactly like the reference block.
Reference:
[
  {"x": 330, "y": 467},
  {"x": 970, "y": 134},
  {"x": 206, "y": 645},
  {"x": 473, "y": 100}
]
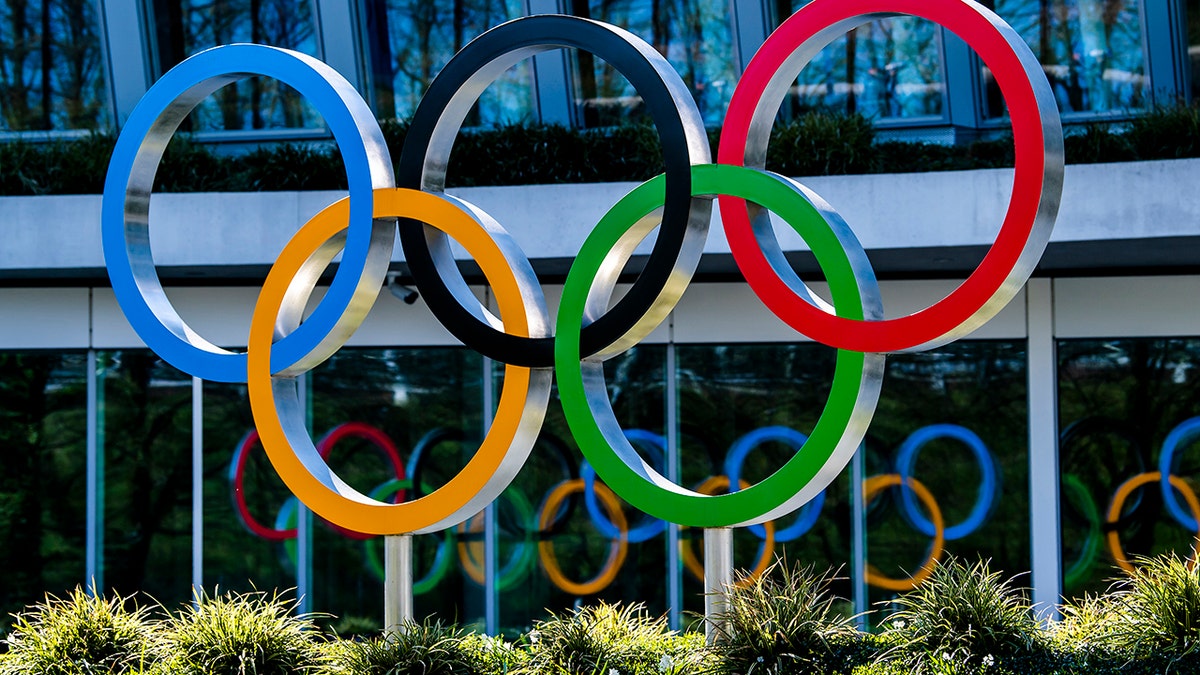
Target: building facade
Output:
[{"x": 1030, "y": 435}]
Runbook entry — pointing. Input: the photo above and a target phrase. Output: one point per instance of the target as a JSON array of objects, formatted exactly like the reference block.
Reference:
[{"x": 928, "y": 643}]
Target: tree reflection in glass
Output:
[
  {"x": 885, "y": 69},
  {"x": 1092, "y": 52},
  {"x": 52, "y": 74},
  {"x": 184, "y": 27}
]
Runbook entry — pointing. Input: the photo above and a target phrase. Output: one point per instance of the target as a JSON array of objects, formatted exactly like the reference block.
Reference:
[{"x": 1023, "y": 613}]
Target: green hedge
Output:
[
  {"x": 964, "y": 619},
  {"x": 811, "y": 145}
]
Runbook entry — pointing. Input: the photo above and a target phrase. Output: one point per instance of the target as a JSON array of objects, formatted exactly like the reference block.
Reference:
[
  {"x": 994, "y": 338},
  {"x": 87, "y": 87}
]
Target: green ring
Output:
[
  {"x": 1079, "y": 570},
  {"x": 443, "y": 560},
  {"x": 855, "y": 383}
]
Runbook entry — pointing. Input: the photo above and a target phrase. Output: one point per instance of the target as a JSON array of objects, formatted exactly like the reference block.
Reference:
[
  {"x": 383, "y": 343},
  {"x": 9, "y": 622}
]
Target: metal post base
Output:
[
  {"x": 718, "y": 577},
  {"x": 397, "y": 583}
]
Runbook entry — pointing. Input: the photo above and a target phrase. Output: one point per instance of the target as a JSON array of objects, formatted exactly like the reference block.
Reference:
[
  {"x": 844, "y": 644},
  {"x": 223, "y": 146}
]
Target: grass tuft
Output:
[
  {"x": 241, "y": 634},
  {"x": 80, "y": 633},
  {"x": 963, "y": 614},
  {"x": 428, "y": 648},
  {"x": 607, "y": 639},
  {"x": 786, "y": 620}
]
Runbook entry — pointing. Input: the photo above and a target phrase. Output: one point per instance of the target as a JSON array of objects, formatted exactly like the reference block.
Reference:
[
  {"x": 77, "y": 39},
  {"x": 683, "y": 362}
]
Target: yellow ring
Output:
[
  {"x": 710, "y": 486},
  {"x": 872, "y": 487},
  {"x": 1118, "y": 501},
  {"x": 616, "y": 551},
  {"x": 279, "y": 418}
]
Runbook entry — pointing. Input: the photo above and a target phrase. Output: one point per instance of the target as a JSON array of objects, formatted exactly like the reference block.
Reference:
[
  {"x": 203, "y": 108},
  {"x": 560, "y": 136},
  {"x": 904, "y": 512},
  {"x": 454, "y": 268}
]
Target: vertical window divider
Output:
[
  {"x": 94, "y": 555},
  {"x": 1044, "y": 522},
  {"x": 551, "y": 72},
  {"x": 674, "y": 566},
  {"x": 128, "y": 59},
  {"x": 197, "y": 487}
]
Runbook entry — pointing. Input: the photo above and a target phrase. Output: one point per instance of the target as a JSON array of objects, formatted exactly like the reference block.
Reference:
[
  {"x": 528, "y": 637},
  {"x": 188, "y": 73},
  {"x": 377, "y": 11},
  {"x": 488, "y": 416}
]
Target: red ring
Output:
[
  {"x": 379, "y": 440},
  {"x": 999, "y": 275},
  {"x": 239, "y": 495}
]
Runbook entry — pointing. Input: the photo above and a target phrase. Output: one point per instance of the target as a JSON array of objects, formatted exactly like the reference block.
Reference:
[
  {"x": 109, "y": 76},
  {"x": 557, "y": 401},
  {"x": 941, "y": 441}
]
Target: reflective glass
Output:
[
  {"x": 184, "y": 27},
  {"x": 410, "y": 41},
  {"x": 1092, "y": 52},
  {"x": 554, "y": 551},
  {"x": 954, "y": 419},
  {"x": 1193, "y": 47},
  {"x": 52, "y": 73},
  {"x": 246, "y": 544},
  {"x": 371, "y": 410},
  {"x": 145, "y": 413},
  {"x": 885, "y": 69},
  {"x": 696, "y": 36},
  {"x": 1119, "y": 403},
  {"x": 43, "y": 432},
  {"x": 729, "y": 395}
]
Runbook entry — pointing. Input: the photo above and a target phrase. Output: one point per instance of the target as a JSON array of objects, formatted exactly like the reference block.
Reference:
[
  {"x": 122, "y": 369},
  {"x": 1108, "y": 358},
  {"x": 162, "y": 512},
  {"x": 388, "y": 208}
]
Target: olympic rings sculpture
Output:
[
  {"x": 543, "y": 523},
  {"x": 411, "y": 204}
]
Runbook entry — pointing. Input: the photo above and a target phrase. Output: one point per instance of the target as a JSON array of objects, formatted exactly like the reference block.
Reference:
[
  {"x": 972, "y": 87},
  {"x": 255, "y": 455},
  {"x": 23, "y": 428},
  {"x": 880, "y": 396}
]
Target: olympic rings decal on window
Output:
[
  {"x": 608, "y": 519},
  {"x": 363, "y": 228}
]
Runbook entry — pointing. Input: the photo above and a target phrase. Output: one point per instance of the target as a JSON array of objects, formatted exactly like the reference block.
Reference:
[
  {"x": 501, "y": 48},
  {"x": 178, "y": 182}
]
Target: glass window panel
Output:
[
  {"x": 576, "y": 542},
  {"x": 411, "y": 40},
  {"x": 1118, "y": 402},
  {"x": 1193, "y": 47},
  {"x": 43, "y": 464},
  {"x": 1091, "y": 50},
  {"x": 184, "y": 27},
  {"x": 243, "y": 549},
  {"x": 980, "y": 386},
  {"x": 146, "y": 419},
  {"x": 406, "y": 394},
  {"x": 52, "y": 74},
  {"x": 696, "y": 36},
  {"x": 729, "y": 391},
  {"x": 884, "y": 69}
]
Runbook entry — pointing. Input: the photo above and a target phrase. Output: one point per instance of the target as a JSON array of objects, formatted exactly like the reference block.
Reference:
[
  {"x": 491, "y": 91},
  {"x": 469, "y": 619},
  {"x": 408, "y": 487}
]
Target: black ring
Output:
[{"x": 439, "y": 116}]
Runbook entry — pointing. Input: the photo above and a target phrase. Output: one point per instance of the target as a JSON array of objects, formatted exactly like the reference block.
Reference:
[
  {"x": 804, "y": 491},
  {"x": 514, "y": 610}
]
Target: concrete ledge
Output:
[{"x": 1134, "y": 215}]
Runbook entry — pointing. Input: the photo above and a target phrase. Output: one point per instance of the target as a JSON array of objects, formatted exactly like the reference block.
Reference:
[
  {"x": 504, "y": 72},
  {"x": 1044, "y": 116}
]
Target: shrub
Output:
[
  {"x": 81, "y": 633},
  {"x": 1166, "y": 132},
  {"x": 241, "y": 634},
  {"x": 1156, "y": 612},
  {"x": 786, "y": 620},
  {"x": 822, "y": 144},
  {"x": 605, "y": 638},
  {"x": 428, "y": 648},
  {"x": 963, "y": 614}
]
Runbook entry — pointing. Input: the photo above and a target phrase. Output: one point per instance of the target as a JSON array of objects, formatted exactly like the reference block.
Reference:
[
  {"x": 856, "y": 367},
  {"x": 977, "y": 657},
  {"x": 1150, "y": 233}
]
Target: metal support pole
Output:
[
  {"x": 718, "y": 577},
  {"x": 858, "y": 536},
  {"x": 397, "y": 582}
]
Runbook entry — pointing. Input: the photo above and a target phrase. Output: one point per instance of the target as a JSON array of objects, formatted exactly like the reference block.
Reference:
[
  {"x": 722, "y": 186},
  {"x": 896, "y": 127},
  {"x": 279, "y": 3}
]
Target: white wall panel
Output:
[
  {"x": 1126, "y": 306},
  {"x": 44, "y": 318}
]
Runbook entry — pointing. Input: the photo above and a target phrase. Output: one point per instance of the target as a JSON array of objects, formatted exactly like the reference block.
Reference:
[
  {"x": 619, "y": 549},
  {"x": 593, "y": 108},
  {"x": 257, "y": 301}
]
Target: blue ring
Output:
[
  {"x": 988, "y": 492},
  {"x": 358, "y": 137},
  {"x": 809, "y": 513},
  {"x": 1185, "y": 432},
  {"x": 644, "y": 531}
]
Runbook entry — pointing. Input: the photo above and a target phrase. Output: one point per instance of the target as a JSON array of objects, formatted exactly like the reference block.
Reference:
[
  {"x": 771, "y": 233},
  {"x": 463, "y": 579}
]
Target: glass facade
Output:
[
  {"x": 181, "y": 28},
  {"x": 1127, "y": 409},
  {"x": 43, "y": 458},
  {"x": 52, "y": 67},
  {"x": 145, "y": 417},
  {"x": 884, "y": 69},
  {"x": 695, "y": 36},
  {"x": 1093, "y": 53},
  {"x": 1193, "y": 49},
  {"x": 410, "y": 40},
  {"x": 954, "y": 420}
]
